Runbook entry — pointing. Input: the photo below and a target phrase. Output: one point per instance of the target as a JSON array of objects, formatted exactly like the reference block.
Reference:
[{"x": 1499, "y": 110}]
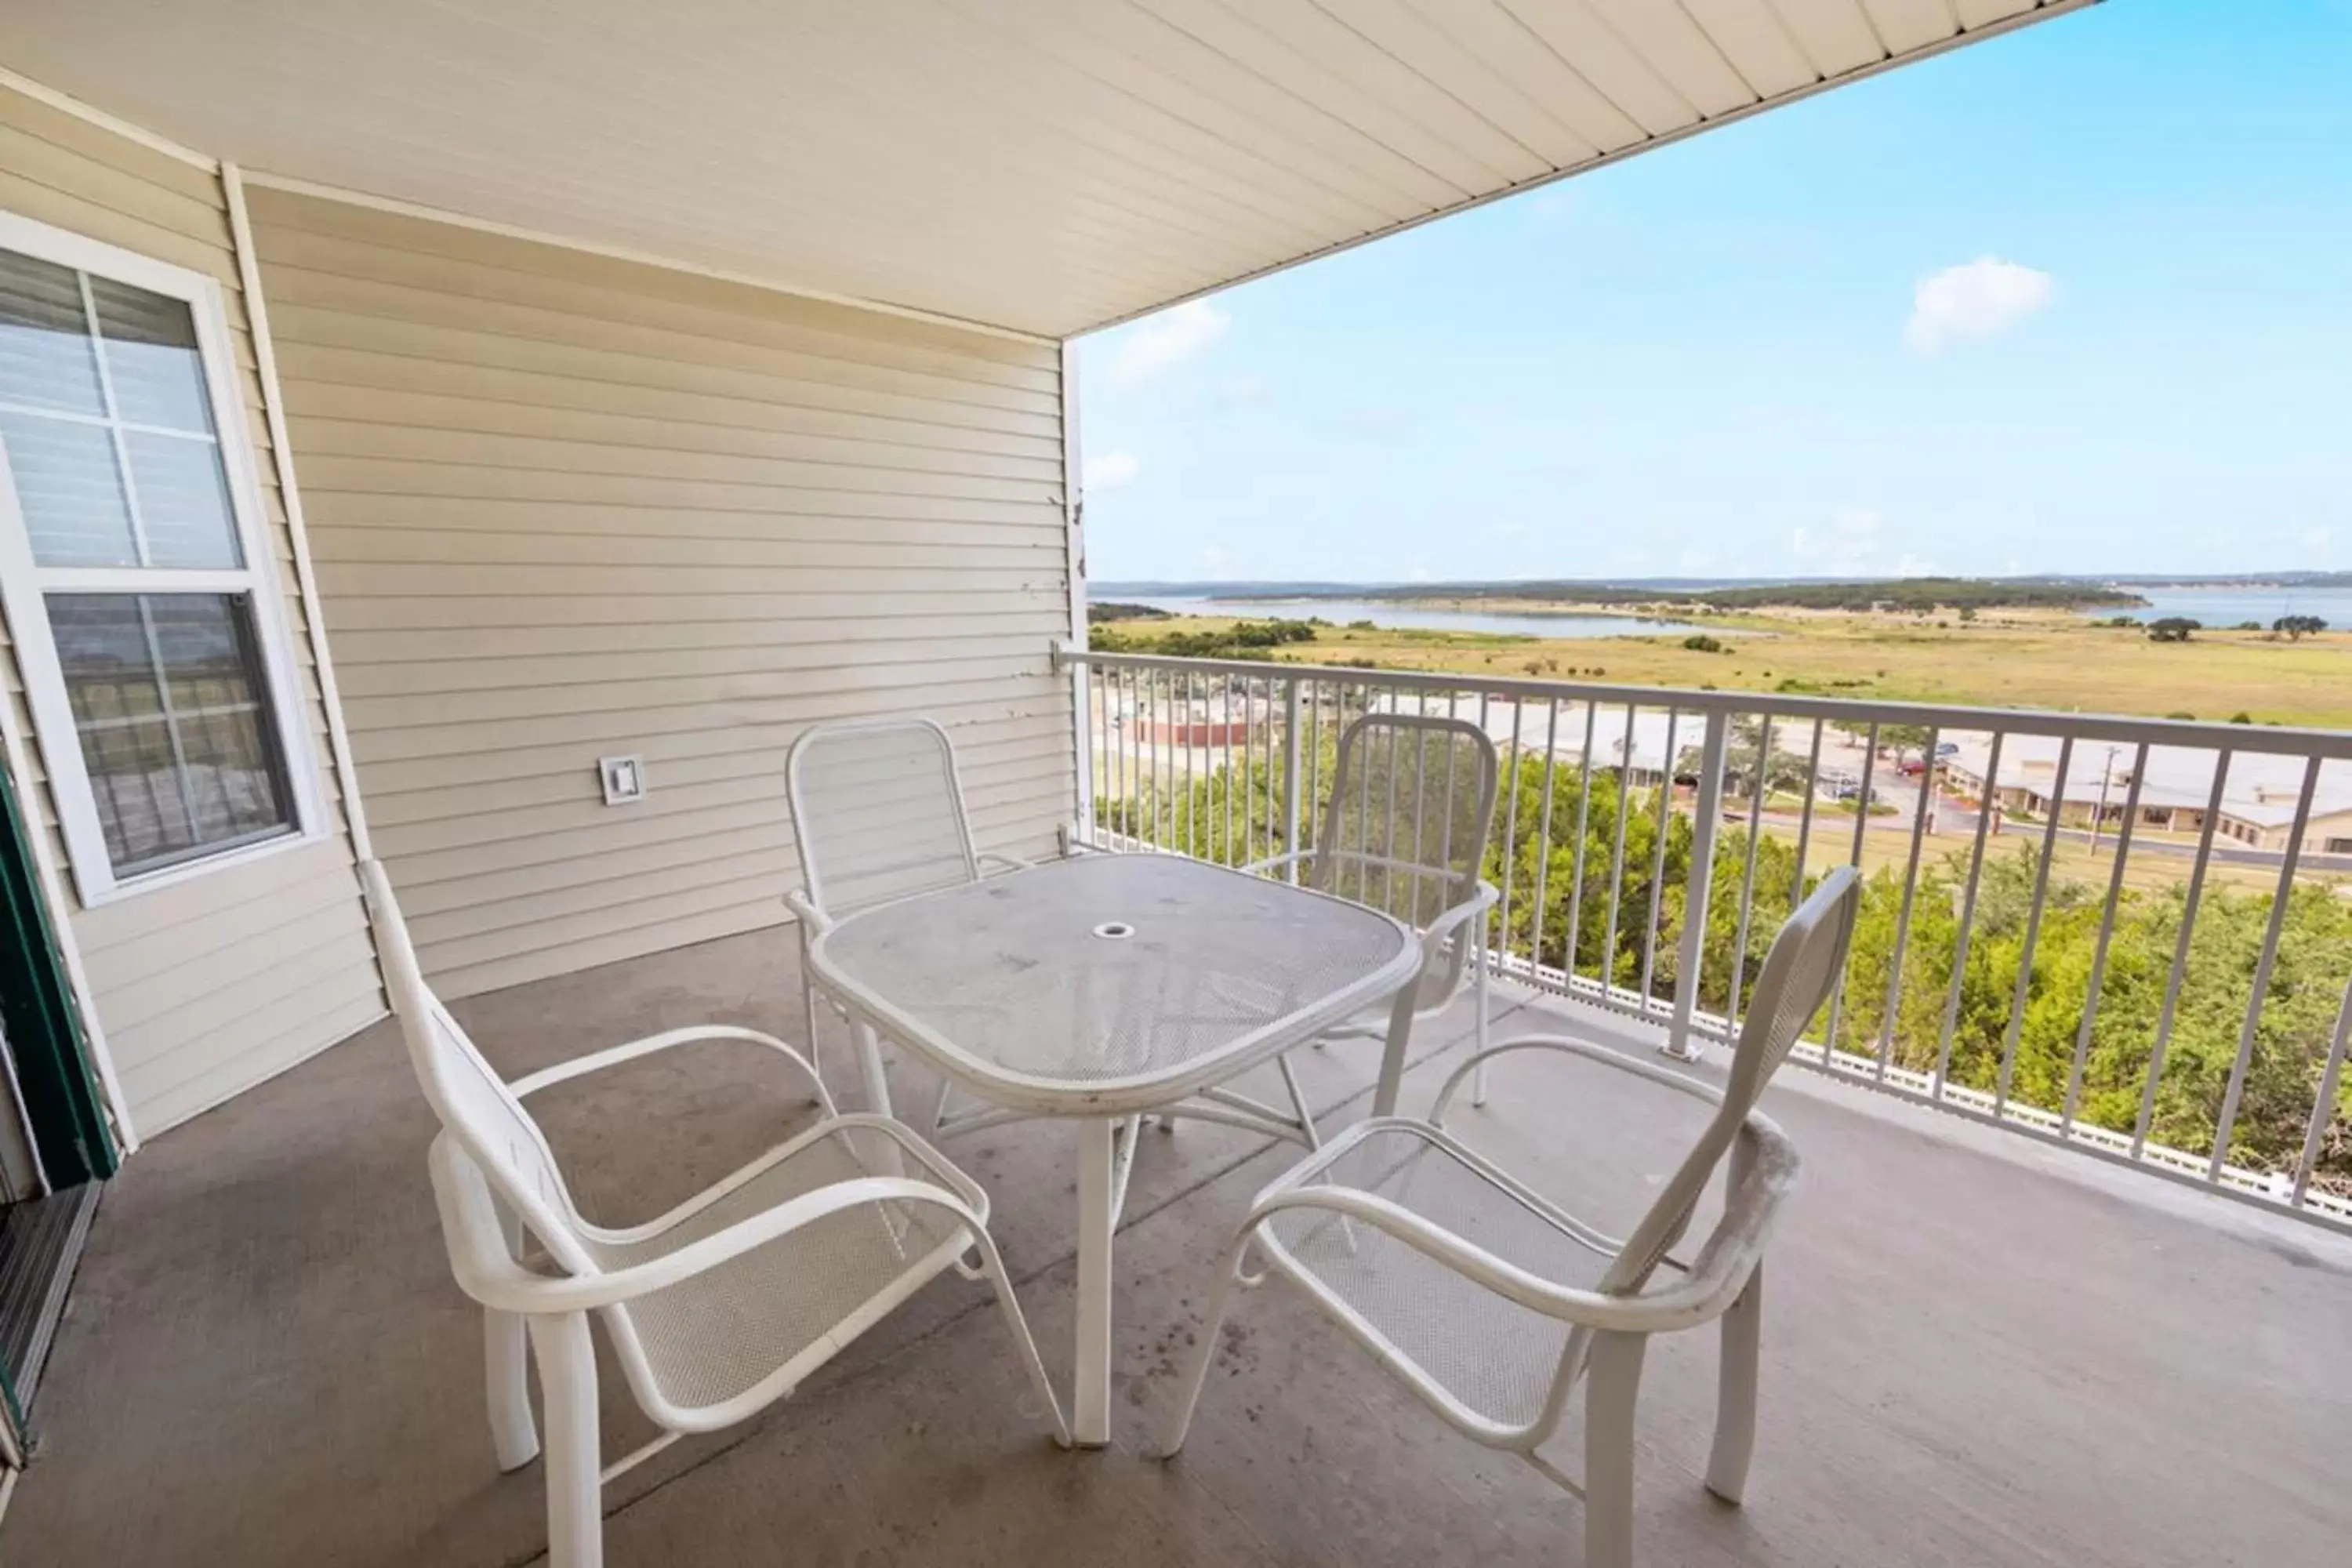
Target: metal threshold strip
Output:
[{"x": 40, "y": 1245}]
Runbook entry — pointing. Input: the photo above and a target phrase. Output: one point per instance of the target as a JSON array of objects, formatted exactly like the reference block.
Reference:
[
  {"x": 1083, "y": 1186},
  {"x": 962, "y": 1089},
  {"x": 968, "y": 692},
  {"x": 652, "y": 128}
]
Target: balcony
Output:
[{"x": 1983, "y": 1348}]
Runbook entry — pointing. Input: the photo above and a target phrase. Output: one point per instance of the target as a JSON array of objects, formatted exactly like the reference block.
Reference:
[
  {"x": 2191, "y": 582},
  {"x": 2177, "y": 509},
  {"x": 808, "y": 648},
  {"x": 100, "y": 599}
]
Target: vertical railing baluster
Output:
[
  {"x": 1805, "y": 820},
  {"x": 1290, "y": 763},
  {"x": 2248, "y": 1034},
  {"x": 1910, "y": 887},
  {"x": 2025, "y": 988},
  {"x": 1758, "y": 785},
  {"x": 1986, "y": 806},
  {"x": 1125, "y": 698},
  {"x": 1183, "y": 767},
  {"x": 1617, "y": 855},
  {"x": 1162, "y": 815},
  {"x": 1576, "y": 861},
  {"x": 1083, "y": 749},
  {"x": 2179, "y": 974},
  {"x": 1543, "y": 848},
  {"x": 1662, "y": 815},
  {"x": 1225, "y": 854},
  {"x": 2323, "y": 1109},
  {"x": 1707, "y": 807},
  {"x": 2106, "y": 933},
  {"x": 1314, "y": 758},
  {"x": 1861, "y": 827},
  {"x": 1506, "y": 800}
]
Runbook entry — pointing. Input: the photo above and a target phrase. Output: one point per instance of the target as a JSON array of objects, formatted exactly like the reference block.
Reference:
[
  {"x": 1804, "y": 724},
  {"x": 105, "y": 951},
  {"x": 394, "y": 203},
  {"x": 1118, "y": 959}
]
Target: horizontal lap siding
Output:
[
  {"x": 564, "y": 507},
  {"x": 209, "y": 986}
]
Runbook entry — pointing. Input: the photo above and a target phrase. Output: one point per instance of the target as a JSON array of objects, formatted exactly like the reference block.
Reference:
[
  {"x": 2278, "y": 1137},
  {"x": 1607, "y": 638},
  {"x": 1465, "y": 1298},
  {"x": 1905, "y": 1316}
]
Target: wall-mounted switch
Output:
[{"x": 625, "y": 779}]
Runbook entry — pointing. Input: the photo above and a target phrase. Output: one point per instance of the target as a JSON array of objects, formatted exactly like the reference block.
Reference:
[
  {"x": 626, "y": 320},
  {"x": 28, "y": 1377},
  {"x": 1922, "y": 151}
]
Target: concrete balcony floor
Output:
[{"x": 1979, "y": 1352}]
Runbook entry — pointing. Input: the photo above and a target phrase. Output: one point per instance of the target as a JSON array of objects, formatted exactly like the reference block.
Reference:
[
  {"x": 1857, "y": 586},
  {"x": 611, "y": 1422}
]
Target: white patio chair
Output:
[
  {"x": 878, "y": 814},
  {"x": 1412, "y": 805},
  {"x": 716, "y": 1309},
  {"x": 1489, "y": 1301}
]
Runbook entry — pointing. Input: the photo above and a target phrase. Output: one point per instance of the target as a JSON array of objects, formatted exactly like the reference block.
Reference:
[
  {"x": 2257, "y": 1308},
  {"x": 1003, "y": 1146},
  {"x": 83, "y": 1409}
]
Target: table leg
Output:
[
  {"x": 1384, "y": 1096},
  {"x": 1098, "y": 1219},
  {"x": 869, "y": 1069}
]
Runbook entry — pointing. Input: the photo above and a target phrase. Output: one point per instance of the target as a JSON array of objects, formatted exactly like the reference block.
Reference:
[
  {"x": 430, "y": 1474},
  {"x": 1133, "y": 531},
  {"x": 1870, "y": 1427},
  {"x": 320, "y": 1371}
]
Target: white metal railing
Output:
[{"x": 2160, "y": 974}]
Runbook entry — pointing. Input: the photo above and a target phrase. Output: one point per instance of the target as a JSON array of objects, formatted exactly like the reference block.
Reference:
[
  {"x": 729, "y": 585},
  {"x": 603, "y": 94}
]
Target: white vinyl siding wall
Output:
[
  {"x": 210, "y": 984},
  {"x": 563, "y": 506}
]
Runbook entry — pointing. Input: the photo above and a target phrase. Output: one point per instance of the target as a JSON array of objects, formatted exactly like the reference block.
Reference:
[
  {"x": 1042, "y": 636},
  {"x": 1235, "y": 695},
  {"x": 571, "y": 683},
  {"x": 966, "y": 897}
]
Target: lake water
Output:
[
  {"x": 2224, "y": 607},
  {"x": 1420, "y": 617}
]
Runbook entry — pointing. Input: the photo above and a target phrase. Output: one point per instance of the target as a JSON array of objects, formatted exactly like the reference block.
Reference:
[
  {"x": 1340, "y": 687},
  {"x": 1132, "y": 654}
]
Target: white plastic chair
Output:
[
  {"x": 1489, "y": 1301},
  {"x": 877, "y": 815},
  {"x": 1412, "y": 805},
  {"x": 716, "y": 1309}
]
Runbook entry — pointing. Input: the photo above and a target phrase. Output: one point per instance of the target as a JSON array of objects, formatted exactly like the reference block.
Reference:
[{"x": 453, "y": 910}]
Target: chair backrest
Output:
[
  {"x": 1800, "y": 971},
  {"x": 1412, "y": 802},
  {"x": 877, "y": 813},
  {"x": 473, "y": 1104}
]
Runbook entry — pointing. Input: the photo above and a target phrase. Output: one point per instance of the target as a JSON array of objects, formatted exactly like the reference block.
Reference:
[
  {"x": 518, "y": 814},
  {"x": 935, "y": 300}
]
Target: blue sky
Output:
[{"x": 2076, "y": 300}]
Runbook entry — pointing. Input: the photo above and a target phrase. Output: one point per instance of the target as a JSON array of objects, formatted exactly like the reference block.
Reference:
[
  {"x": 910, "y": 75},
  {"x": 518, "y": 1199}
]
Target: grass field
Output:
[{"x": 2002, "y": 660}]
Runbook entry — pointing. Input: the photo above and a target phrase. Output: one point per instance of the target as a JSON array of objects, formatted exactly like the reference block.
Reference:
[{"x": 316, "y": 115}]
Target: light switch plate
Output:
[{"x": 625, "y": 779}]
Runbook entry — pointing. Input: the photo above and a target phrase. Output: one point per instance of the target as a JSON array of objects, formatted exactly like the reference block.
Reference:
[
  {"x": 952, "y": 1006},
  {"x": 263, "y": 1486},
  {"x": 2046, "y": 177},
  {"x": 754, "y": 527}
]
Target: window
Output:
[{"x": 143, "y": 603}]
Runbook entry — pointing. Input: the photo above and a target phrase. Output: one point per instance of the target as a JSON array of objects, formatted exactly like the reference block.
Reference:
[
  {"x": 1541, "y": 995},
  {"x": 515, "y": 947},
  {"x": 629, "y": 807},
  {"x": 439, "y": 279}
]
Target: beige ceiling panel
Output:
[{"x": 1046, "y": 166}]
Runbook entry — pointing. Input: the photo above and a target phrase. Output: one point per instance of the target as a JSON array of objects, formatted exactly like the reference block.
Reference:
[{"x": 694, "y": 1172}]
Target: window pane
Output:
[
  {"x": 44, "y": 358},
  {"x": 70, "y": 491},
  {"x": 171, "y": 706},
  {"x": 182, "y": 500},
  {"x": 150, "y": 352}
]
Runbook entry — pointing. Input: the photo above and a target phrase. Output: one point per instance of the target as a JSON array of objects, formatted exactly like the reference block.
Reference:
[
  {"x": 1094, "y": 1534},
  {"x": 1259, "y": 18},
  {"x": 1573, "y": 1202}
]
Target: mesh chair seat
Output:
[
  {"x": 720, "y": 1334},
  {"x": 1492, "y": 1356}
]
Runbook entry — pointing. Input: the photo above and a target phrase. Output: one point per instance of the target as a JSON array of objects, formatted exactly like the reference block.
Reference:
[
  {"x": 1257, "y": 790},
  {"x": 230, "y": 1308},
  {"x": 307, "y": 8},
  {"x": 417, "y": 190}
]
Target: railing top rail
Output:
[{"x": 2261, "y": 739}]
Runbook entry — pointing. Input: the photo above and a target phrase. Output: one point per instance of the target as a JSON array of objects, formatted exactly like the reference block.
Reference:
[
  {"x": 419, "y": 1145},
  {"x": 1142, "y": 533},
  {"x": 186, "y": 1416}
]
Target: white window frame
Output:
[{"x": 24, "y": 582}]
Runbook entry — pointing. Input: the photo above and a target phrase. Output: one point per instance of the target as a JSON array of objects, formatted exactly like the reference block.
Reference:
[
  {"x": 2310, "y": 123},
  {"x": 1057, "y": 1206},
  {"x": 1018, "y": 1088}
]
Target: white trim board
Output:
[{"x": 281, "y": 453}]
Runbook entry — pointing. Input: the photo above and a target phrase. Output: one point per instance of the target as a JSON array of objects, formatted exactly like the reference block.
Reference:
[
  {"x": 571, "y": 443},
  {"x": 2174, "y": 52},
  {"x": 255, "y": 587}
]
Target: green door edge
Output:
[{"x": 44, "y": 1026}]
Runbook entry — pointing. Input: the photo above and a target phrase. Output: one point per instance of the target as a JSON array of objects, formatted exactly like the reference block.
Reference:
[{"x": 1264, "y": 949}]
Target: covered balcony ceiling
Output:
[{"x": 1043, "y": 165}]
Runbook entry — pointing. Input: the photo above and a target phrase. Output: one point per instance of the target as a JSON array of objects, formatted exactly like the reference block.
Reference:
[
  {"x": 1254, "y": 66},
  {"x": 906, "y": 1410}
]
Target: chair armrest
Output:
[
  {"x": 1433, "y": 936},
  {"x": 490, "y": 1276},
  {"x": 1287, "y": 858},
  {"x": 810, "y": 916},
  {"x": 597, "y": 1061},
  {"x": 1705, "y": 1292},
  {"x": 1571, "y": 1045}
]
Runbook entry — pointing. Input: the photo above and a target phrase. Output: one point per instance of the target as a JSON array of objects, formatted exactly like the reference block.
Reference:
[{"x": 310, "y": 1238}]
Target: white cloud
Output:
[
  {"x": 1984, "y": 297},
  {"x": 1151, "y": 347},
  {"x": 1109, "y": 470}
]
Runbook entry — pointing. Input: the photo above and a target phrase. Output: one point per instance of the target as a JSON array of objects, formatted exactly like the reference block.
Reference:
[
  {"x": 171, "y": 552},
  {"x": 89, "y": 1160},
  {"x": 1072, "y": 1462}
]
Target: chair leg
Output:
[
  {"x": 1734, "y": 1414},
  {"x": 507, "y": 1362},
  {"x": 1299, "y": 1103},
  {"x": 808, "y": 1004},
  {"x": 1205, "y": 1351},
  {"x": 992, "y": 1265},
  {"x": 567, "y": 1380},
  {"x": 506, "y": 1366},
  {"x": 1613, "y": 1379}
]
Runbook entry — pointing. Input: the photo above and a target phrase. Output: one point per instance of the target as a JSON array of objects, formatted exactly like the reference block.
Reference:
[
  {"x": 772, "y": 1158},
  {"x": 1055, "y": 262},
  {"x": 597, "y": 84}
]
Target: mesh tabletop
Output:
[{"x": 1128, "y": 971}]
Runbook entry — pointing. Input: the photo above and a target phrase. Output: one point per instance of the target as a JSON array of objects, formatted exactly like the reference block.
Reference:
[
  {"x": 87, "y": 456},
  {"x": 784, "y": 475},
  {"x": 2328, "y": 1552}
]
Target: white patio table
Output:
[{"x": 1101, "y": 988}]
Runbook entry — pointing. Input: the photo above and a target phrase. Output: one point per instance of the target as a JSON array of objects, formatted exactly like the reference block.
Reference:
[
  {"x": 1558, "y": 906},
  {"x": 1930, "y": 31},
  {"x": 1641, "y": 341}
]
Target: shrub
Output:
[
  {"x": 2173, "y": 628},
  {"x": 1702, "y": 642}
]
